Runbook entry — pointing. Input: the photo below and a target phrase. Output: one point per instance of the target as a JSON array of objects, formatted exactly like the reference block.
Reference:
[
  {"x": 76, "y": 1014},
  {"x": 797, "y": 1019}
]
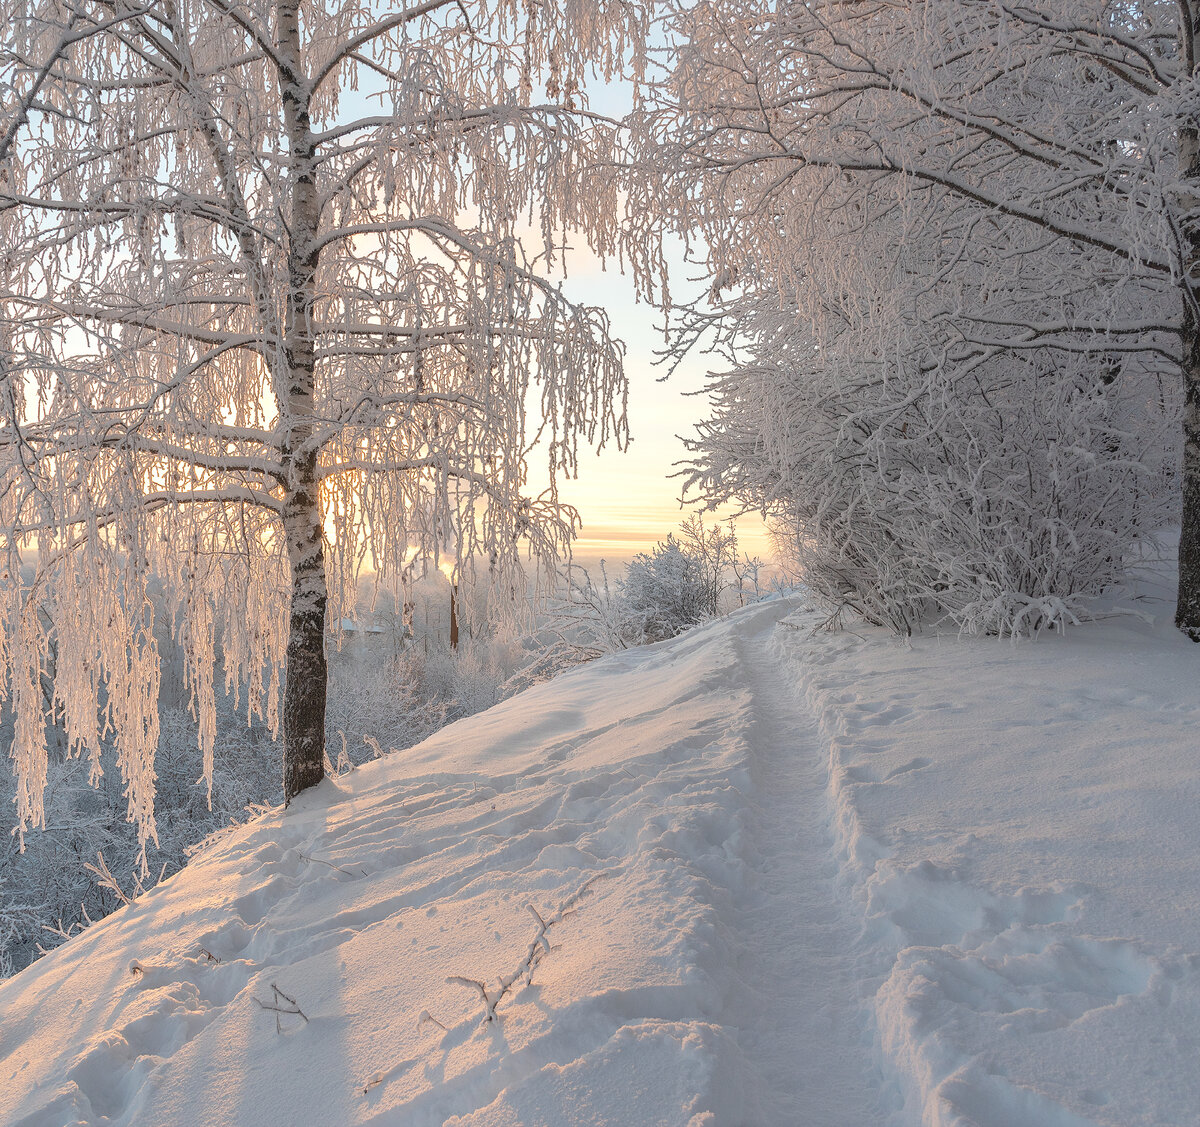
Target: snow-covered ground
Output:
[{"x": 760, "y": 876}]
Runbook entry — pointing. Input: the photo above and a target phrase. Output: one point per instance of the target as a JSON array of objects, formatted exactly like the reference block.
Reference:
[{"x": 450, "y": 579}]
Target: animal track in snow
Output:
[
  {"x": 876, "y": 714},
  {"x": 1030, "y": 970},
  {"x": 986, "y": 953},
  {"x": 991, "y": 966},
  {"x": 167, "y": 1007}
]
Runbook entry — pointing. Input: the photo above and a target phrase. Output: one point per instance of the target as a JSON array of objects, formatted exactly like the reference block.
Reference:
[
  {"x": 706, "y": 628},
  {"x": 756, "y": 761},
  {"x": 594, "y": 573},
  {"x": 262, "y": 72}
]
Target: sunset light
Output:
[{"x": 599, "y": 563}]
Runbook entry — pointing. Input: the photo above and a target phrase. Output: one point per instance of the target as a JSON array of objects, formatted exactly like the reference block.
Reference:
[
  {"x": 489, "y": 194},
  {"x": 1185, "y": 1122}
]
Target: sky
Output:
[{"x": 629, "y": 500}]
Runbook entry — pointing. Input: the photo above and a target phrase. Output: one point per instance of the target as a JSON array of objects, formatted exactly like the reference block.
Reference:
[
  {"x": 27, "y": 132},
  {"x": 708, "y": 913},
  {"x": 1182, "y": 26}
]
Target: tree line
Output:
[{"x": 282, "y": 304}]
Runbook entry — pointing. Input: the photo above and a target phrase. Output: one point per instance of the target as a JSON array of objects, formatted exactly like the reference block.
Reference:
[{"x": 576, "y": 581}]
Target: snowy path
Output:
[
  {"x": 378, "y": 900},
  {"x": 797, "y": 1014},
  {"x": 1006, "y": 898}
]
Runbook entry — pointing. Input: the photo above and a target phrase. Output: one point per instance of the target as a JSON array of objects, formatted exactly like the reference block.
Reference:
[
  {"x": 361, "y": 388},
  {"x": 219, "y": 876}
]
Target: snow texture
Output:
[
  {"x": 1016, "y": 826},
  {"x": 777, "y": 877}
]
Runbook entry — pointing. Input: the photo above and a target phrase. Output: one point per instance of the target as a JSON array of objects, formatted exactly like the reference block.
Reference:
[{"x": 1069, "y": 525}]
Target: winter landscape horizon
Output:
[{"x": 574, "y": 563}]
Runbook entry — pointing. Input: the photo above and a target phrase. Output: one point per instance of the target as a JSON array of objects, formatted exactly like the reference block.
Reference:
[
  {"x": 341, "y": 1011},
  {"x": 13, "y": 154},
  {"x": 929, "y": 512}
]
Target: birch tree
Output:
[
  {"x": 1048, "y": 150},
  {"x": 278, "y": 305}
]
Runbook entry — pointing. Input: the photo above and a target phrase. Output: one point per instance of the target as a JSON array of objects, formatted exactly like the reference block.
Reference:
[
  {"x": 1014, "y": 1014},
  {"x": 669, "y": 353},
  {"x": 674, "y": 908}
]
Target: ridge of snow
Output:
[{"x": 1017, "y": 824}]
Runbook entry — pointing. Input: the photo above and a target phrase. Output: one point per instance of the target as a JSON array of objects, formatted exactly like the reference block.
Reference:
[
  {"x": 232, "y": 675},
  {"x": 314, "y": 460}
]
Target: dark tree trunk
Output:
[
  {"x": 305, "y": 688},
  {"x": 1187, "y": 611},
  {"x": 306, "y": 684}
]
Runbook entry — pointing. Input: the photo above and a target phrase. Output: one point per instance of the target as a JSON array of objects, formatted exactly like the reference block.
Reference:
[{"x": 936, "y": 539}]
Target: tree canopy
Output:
[
  {"x": 953, "y": 250},
  {"x": 278, "y": 306}
]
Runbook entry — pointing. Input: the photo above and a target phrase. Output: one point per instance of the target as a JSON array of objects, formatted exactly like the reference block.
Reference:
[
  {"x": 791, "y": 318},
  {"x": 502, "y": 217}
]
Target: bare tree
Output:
[
  {"x": 277, "y": 307},
  {"x": 1012, "y": 185},
  {"x": 715, "y": 549}
]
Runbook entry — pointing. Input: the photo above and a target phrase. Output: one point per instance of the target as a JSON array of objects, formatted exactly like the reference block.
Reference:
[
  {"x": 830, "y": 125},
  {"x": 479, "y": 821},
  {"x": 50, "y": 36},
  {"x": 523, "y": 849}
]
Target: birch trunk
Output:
[
  {"x": 305, "y": 686},
  {"x": 1187, "y": 611}
]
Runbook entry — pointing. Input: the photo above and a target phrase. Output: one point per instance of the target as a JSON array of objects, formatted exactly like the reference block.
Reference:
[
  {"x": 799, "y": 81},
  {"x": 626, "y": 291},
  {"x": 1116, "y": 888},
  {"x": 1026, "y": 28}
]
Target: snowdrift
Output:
[
  {"x": 620, "y": 784},
  {"x": 958, "y": 886},
  {"x": 1017, "y": 825}
]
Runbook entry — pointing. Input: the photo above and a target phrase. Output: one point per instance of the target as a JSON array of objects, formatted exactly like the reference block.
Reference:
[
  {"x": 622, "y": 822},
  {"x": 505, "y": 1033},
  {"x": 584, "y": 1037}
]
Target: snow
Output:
[
  {"x": 829, "y": 879},
  {"x": 1016, "y": 824}
]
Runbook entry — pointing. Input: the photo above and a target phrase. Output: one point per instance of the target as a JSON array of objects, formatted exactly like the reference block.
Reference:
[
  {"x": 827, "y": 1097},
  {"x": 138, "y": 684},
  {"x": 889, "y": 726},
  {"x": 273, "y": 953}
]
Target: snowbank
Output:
[
  {"x": 1018, "y": 825},
  {"x": 624, "y": 779}
]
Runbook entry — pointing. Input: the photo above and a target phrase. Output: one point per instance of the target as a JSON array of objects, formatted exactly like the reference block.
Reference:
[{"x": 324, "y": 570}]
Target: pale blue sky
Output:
[{"x": 630, "y": 500}]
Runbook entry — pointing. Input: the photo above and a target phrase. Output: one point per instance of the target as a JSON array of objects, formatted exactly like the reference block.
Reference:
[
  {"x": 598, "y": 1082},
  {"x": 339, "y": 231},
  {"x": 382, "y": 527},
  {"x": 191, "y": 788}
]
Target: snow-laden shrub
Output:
[
  {"x": 590, "y": 618},
  {"x": 480, "y": 673},
  {"x": 683, "y": 580},
  {"x": 1002, "y": 499},
  {"x": 916, "y": 463},
  {"x": 948, "y": 294},
  {"x": 666, "y": 590},
  {"x": 389, "y": 701},
  {"x": 694, "y": 574},
  {"x": 462, "y": 681}
]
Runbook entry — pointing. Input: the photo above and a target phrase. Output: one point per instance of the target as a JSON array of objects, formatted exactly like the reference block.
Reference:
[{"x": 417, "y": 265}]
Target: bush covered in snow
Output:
[
  {"x": 1003, "y": 499},
  {"x": 665, "y": 591},
  {"x": 947, "y": 296},
  {"x": 694, "y": 574}
]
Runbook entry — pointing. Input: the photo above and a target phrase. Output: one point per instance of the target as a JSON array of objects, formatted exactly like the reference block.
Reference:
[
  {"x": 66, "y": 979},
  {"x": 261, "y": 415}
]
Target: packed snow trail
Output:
[{"x": 796, "y": 1008}]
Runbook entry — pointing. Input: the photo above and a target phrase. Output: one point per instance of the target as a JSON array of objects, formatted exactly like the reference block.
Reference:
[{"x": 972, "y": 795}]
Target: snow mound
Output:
[
  {"x": 571, "y": 842},
  {"x": 1017, "y": 825}
]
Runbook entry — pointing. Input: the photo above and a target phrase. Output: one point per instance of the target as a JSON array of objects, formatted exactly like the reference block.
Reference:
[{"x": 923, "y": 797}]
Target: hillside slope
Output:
[
  {"x": 760, "y": 875},
  {"x": 619, "y": 790}
]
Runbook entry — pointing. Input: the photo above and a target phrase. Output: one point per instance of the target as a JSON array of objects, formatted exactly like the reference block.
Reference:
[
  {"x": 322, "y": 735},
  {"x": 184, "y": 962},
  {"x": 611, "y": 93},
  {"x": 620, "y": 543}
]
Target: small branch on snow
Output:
[
  {"x": 539, "y": 947},
  {"x": 107, "y": 880},
  {"x": 59, "y": 931},
  {"x": 373, "y": 744},
  {"x": 329, "y": 864},
  {"x": 489, "y": 1003},
  {"x": 343, "y": 766},
  {"x": 292, "y": 1008},
  {"x": 425, "y": 1016}
]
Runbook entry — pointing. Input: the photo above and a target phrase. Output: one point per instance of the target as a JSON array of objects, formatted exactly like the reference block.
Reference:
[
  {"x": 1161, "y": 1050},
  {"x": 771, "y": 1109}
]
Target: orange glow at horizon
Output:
[{"x": 628, "y": 501}]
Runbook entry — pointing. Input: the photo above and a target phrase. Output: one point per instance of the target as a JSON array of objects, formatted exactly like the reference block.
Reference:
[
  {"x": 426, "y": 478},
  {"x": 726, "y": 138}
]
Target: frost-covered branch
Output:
[
  {"x": 953, "y": 253},
  {"x": 253, "y": 342}
]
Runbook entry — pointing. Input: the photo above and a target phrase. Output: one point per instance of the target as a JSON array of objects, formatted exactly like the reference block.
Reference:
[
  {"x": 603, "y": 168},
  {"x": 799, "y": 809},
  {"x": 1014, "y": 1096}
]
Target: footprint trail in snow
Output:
[{"x": 796, "y": 1001}]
